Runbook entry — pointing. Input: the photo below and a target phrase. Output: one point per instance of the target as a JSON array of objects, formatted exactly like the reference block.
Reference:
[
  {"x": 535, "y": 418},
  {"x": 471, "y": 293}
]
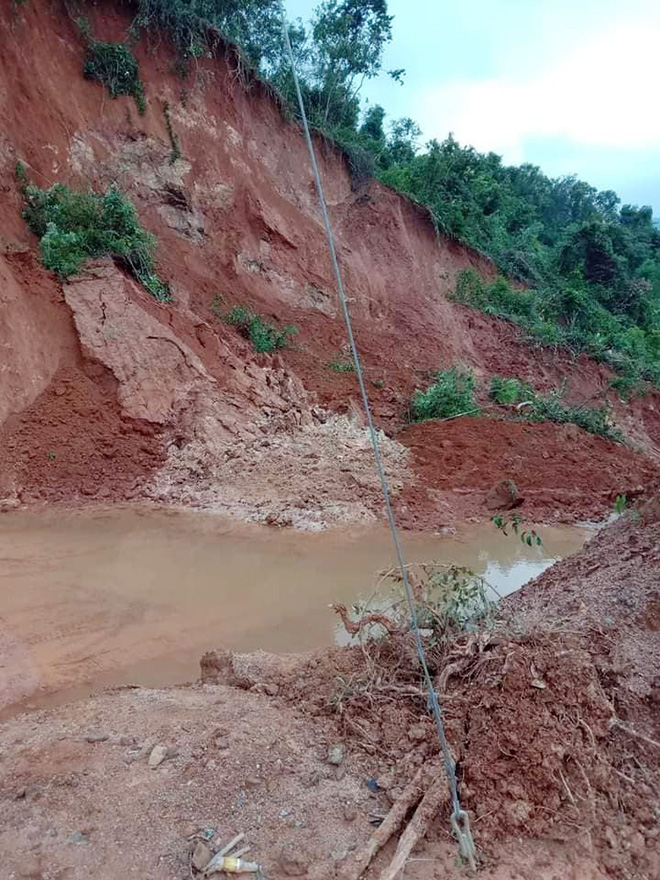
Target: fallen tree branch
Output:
[
  {"x": 355, "y": 626},
  {"x": 629, "y": 730},
  {"x": 436, "y": 796},
  {"x": 408, "y": 799}
]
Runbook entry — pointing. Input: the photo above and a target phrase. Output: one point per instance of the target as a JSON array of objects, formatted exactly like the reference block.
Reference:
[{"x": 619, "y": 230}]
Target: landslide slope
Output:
[{"x": 106, "y": 394}]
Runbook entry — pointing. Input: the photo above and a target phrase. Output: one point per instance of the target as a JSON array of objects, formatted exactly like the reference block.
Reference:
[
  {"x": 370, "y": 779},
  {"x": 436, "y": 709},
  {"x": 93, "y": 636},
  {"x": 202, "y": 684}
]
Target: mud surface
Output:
[
  {"x": 554, "y": 729},
  {"x": 136, "y": 596}
]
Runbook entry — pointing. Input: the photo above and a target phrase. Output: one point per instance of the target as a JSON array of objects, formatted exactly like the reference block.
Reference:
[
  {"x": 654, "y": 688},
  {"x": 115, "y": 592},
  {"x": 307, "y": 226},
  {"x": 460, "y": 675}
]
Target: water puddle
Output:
[{"x": 98, "y": 599}]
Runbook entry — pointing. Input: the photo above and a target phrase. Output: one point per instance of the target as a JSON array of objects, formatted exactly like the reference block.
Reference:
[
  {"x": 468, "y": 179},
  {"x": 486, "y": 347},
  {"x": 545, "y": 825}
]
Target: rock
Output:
[
  {"x": 158, "y": 755},
  {"x": 350, "y": 812},
  {"x": 97, "y": 737},
  {"x": 292, "y": 863},
  {"x": 202, "y": 855},
  {"x": 127, "y": 741},
  {"x": 503, "y": 496},
  {"x": 385, "y": 781},
  {"x": 340, "y": 772},
  {"x": 417, "y": 732},
  {"x": 8, "y": 504},
  {"x": 339, "y": 855},
  {"x": 336, "y": 755},
  {"x": 314, "y": 778}
]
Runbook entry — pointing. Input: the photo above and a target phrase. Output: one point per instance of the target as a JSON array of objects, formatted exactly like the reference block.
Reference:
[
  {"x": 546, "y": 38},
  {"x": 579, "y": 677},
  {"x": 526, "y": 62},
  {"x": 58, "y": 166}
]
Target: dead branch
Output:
[
  {"x": 355, "y": 626},
  {"x": 621, "y": 726},
  {"x": 436, "y": 796},
  {"x": 410, "y": 796}
]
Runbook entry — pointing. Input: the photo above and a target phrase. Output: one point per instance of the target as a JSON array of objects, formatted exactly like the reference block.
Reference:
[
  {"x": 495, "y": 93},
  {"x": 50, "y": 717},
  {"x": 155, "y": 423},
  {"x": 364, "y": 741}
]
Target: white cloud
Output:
[{"x": 602, "y": 94}]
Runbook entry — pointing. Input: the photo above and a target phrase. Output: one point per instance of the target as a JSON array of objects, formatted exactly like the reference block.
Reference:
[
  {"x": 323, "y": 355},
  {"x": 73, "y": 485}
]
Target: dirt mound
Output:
[
  {"x": 560, "y": 471},
  {"x": 552, "y": 715}
]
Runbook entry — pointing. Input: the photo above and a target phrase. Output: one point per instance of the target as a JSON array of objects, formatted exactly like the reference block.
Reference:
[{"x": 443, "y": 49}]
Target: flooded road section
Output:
[{"x": 94, "y": 599}]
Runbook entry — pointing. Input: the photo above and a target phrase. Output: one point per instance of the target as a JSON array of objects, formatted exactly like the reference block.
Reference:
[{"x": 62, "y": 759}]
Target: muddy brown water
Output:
[{"x": 107, "y": 598}]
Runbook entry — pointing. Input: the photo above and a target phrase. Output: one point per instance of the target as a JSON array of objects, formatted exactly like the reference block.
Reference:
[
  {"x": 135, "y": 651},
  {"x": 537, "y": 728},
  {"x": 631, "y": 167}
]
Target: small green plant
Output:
[
  {"x": 378, "y": 383},
  {"x": 620, "y": 504},
  {"x": 451, "y": 394},
  {"x": 74, "y": 227},
  {"x": 514, "y": 521},
  {"x": 264, "y": 337},
  {"x": 339, "y": 366},
  {"x": 550, "y": 408},
  {"x": 218, "y": 305},
  {"x": 20, "y": 173},
  {"x": 175, "y": 151},
  {"x": 113, "y": 65},
  {"x": 50, "y": 455},
  {"x": 628, "y": 387},
  {"x": 507, "y": 392}
]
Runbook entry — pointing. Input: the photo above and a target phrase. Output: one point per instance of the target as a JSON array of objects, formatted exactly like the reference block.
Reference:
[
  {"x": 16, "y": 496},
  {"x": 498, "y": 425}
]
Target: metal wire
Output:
[{"x": 459, "y": 820}]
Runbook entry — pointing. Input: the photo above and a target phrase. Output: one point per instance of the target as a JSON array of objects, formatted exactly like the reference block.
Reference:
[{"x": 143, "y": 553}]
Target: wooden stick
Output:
[
  {"x": 231, "y": 844},
  {"x": 436, "y": 795},
  {"x": 626, "y": 729},
  {"x": 410, "y": 796}
]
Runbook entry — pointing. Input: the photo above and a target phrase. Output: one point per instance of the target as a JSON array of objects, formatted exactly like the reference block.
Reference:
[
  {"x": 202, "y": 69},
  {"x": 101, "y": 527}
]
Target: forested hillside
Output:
[{"x": 592, "y": 266}]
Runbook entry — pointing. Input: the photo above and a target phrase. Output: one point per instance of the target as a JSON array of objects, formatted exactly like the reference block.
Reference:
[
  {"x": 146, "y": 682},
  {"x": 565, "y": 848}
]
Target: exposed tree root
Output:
[
  {"x": 436, "y": 795},
  {"x": 355, "y": 626},
  {"x": 409, "y": 798}
]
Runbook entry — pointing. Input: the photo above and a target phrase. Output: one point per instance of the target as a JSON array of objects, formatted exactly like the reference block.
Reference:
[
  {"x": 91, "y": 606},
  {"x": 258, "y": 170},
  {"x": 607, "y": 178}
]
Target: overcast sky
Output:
[{"x": 570, "y": 85}]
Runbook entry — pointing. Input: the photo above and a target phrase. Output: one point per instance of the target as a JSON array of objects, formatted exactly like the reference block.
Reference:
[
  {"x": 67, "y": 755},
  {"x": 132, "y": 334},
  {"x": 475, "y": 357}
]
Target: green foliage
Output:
[
  {"x": 507, "y": 392},
  {"x": 628, "y": 387},
  {"x": 194, "y": 25},
  {"x": 451, "y": 394},
  {"x": 340, "y": 366},
  {"x": 504, "y": 521},
  {"x": 592, "y": 266},
  {"x": 113, "y": 65},
  {"x": 449, "y": 601},
  {"x": 264, "y": 336},
  {"x": 76, "y": 226},
  {"x": 550, "y": 408},
  {"x": 20, "y": 173},
  {"x": 620, "y": 504}
]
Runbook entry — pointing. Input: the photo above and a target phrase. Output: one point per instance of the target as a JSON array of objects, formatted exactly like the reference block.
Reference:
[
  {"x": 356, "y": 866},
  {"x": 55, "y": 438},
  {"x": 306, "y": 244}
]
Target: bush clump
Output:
[
  {"x": 74, "y": 227},
  {"x": 451, "y": 394},
  {"x": 551, "y": 408},
  {"x": 264, "y": 336},
  {"x": 507, "y": 392},
  {"x": 113, "y": 65}
]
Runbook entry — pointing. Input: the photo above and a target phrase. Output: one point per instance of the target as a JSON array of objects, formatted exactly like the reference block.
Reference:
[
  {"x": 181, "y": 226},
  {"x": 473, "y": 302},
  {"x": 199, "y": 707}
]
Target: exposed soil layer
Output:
[
  {"x": 560, "y": 472},
  {"x": 105, "y": 394}
]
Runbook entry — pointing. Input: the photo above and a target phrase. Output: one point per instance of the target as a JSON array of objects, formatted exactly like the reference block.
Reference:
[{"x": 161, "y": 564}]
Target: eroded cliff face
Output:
[{"x": 104, "y": 393}]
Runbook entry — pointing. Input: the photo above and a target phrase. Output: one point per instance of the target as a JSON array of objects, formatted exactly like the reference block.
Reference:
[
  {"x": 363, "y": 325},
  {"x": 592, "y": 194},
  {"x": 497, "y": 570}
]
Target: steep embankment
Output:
[{"x": 105, "y": 394}]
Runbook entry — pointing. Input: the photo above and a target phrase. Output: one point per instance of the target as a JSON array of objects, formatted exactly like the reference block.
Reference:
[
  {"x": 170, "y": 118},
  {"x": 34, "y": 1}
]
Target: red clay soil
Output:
[
  {"x": 560, "y": 471},
  {"x": 71, "y": 442},
  {"x": 236, "y": 218}
]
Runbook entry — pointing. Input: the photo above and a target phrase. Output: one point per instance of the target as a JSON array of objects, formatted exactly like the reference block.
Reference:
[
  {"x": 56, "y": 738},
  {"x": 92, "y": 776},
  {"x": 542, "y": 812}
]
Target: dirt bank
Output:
[
  {"x": 106, "y": 394},
  {"x": 552, "y": 716}
]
